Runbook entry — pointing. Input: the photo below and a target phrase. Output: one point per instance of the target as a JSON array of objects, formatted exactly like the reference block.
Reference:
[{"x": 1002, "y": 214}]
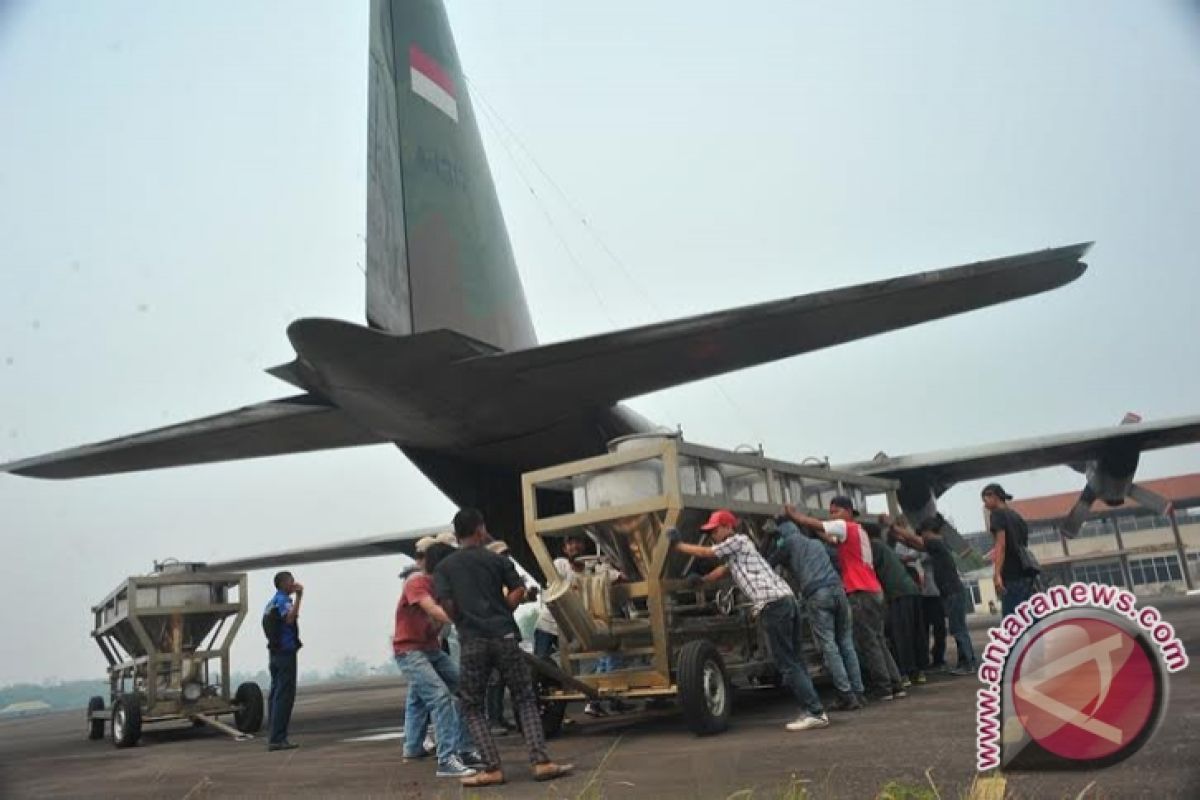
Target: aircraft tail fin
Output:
[{"x": 438, "y": 254}]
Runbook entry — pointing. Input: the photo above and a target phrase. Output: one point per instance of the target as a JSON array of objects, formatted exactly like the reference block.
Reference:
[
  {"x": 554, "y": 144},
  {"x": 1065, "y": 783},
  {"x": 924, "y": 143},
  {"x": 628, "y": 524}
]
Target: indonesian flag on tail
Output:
[{"x": 432, "y": 82}]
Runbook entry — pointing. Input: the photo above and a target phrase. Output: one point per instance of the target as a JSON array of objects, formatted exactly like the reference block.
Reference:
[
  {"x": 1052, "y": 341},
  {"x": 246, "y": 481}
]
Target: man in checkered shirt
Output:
[{"x": 774, "y": 604}]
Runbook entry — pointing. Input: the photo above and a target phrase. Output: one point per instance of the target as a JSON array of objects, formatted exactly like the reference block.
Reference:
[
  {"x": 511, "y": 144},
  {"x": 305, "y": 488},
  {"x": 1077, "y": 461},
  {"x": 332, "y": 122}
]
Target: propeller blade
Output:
[
  {"x": 1151, "y": 500},
  {"x": 1074, "y": 521}
]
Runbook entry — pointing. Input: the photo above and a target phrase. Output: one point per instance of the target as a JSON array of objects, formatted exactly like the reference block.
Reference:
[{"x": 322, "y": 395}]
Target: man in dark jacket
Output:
[{"x": 283, "y": 640}]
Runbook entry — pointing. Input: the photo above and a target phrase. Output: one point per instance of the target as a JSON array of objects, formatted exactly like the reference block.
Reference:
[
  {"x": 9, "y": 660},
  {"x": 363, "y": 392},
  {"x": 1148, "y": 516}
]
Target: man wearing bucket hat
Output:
[
  {"x": 1013, "y": 575},
  {"x": 774, "y": 604}
]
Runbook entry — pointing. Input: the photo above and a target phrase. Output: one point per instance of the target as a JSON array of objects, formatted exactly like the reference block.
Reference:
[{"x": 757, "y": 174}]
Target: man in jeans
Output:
[
  {"x": 820, "y": 588},
  {"x": 431, "y": 674},
  {"x": 480, "y": 590},
  {"x": 953, "y": 593},
  {"x": 862, "y": 590},
  {"x": 283, "y": 641},
  {"x": 1014, "y": 583},
  {"x": 773, "y": 601}
]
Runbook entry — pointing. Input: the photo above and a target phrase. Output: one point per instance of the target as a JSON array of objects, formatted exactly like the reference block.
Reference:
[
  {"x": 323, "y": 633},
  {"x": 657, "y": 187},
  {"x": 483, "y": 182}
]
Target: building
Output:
[{"x": 1129, "y": 546}]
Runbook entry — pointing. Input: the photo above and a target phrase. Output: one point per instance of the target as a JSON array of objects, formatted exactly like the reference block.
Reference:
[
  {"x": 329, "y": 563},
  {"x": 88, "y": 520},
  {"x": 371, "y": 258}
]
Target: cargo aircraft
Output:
[{"x": 447, "y": 366}]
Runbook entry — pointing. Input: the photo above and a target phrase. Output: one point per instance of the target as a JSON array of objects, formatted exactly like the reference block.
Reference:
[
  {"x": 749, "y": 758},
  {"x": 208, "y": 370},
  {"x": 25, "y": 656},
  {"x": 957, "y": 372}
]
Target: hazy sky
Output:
[{"x": 180, "y": 181}]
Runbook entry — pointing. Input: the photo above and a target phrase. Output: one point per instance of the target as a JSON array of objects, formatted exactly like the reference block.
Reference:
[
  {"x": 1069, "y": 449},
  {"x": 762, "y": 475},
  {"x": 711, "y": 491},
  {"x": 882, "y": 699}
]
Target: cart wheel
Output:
[
  {"x": 95, "y": 725},
  {"x": 126, "y": 721},
  {"x": 704, "y": 691},
  {"x": 553, "y": 712},
  {"x": 248, "y": 716}
]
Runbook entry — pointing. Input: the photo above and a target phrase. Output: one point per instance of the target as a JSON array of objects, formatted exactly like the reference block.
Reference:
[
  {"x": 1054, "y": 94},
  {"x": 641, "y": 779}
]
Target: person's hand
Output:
[
  {"x": 789, "y": 509},
  {"x": 674, "y": 536},
  {"x": 297, "y": 587},
  {"x": 695, "y": 581},
  {"x": 998, "y": 582},
  {"x": 885, "y": 520}
]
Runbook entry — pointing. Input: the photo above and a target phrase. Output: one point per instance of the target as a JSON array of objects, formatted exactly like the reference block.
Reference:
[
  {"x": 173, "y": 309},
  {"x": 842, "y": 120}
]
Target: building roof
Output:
[{"x": 1180, "y": 489}]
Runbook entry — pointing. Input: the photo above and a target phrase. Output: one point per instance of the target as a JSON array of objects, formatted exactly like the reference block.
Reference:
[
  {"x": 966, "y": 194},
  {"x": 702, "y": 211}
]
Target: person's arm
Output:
[
  {"x": 514, "y": 598},
  {"x": 812, "y": 523},
  {"x": 998, "y": 562},
  {"x": 715, "y": 575},
  {"x": 290, "y": 619},
  {"x": 436, "y": 612},
  {"x": 697, "y": 550},
  {"x": 514, "y": 586},
  {"x": 907, "y": 536}
]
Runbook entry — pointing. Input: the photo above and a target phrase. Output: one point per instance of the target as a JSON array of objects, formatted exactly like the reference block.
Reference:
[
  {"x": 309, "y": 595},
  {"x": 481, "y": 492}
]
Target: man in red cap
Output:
[{"x": 774, "y": 603}]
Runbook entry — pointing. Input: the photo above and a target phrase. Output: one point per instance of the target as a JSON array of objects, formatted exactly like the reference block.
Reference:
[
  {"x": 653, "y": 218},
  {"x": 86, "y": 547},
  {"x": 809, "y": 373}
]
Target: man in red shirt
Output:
[
  {"x": 855, "y": 562},
  {"x": 431, "y": 674}
]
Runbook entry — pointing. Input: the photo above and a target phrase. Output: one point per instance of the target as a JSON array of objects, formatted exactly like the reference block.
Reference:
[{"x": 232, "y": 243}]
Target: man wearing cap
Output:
[
  {"x": 774, "y": 604},
  {"x": 861, "y": 584},
  {"x": 819, "y": 588},
  {"x": 431, "y": 674},
  {"x": 419, "y": 740},
  {"x": 1014, "y": 583}
]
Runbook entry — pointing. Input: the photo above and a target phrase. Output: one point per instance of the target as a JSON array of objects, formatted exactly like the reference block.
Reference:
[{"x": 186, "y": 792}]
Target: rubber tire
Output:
[
  {"x": 95, "y": 726},
  {"x": 693, "y": 657},
  {"x": 248, "y": 718},
  {"x": 128, "y": 708}
]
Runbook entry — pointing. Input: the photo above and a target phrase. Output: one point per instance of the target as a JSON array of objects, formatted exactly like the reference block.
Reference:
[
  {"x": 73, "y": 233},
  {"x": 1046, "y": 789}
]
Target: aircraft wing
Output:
[
  {"x": 371, "y": 546},
  {"x": 288, "y": 425},
  {"x": 612, "y": 367},
  {"x": 947, "y": 467}
]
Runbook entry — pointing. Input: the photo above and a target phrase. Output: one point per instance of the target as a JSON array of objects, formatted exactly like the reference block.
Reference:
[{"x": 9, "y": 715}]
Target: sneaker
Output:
[
  {"x": 453, "y": 767},
  {"x": 497, "y": 730},
  {"x": 548, "y": 770},
  {"x": 430, "y": 743},
  {"x": 899, "y": 694},
  {"x": 594, "y": 710},
  {"x": 281, "y": 746},
  {"x": 473, "y": 759},
  {"x": 963, "y": 671},
  {"x": 809, "y": 722},
  {"x": 861, "y": 697},
  {"x": 408, "y": 758},
  {"x": 844, "y": 702},
  {"x": 920, "y": 679},
  {"x": 942, "y": 667},
  {"x": 905, "y": 683}
]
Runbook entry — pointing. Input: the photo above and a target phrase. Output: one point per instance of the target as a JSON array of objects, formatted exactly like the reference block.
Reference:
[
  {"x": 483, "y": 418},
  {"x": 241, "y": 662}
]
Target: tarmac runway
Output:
[{"x": 351, "y": 748}]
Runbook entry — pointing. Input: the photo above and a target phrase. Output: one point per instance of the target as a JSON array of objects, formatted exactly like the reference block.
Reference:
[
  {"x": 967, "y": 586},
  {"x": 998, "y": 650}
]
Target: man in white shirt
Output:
[
  {"x": 545, "y": 633},
  {"x": 774, "y": 603}
]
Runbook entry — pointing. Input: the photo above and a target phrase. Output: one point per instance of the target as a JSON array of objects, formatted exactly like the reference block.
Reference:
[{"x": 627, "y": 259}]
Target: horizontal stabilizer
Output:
[
  {"x": 289, "y": 425},
  {"x": 383, "y": 545}
]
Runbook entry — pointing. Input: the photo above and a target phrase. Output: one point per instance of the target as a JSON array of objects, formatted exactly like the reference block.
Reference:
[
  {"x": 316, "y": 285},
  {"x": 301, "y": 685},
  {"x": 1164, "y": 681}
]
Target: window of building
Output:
[
  {"x": 1106, "y": 572},
  {"x": 1159, "y": 569}
]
